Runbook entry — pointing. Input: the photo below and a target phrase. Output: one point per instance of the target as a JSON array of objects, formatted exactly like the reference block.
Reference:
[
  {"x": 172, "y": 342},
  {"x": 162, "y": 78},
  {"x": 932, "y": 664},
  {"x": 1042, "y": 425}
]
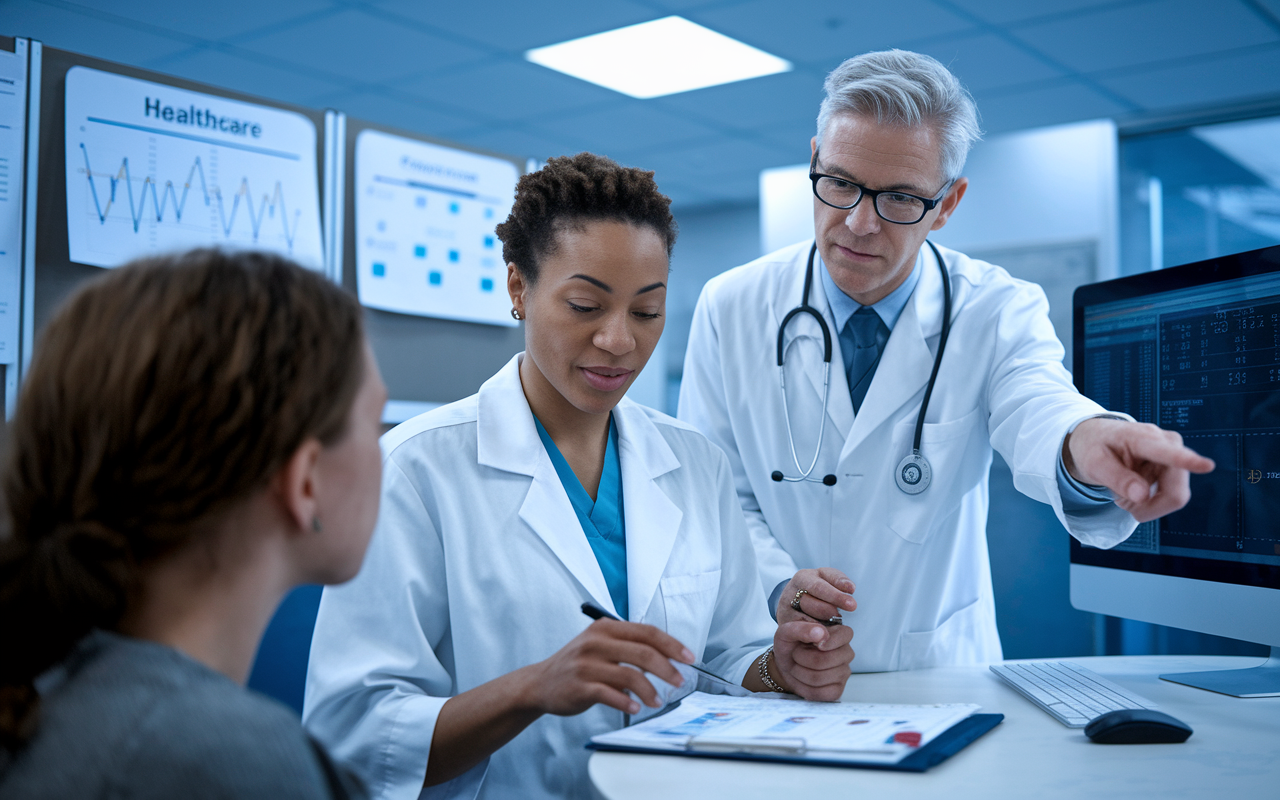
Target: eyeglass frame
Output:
[{"x": 929, "y": 204}]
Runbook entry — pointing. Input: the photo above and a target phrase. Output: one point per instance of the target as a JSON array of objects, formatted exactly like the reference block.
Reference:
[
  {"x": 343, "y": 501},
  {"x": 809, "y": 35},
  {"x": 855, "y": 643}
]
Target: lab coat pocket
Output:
[
  {"x": 689, "y": 602},
  {"x": 947, "y": 446},
  {"x": 961, "y": 639}
]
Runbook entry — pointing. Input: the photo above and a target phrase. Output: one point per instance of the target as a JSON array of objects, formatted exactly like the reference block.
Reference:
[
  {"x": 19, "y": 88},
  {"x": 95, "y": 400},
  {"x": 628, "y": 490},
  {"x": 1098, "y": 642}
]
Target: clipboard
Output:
[{"x": 784, "y": 750}]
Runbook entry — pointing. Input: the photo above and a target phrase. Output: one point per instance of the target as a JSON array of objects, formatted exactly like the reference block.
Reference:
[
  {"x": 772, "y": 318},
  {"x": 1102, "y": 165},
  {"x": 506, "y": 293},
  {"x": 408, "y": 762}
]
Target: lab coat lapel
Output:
[
  {"x": 802, "y": 344},
  {"x": 509, "y": 441},
  {"x": 907, "y": 360},
  {"x": 652, "y": 519}
]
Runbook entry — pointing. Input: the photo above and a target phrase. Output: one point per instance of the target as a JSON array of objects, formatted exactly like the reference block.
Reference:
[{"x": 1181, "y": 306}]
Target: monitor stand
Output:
[{"x": 1259, "y": 681}]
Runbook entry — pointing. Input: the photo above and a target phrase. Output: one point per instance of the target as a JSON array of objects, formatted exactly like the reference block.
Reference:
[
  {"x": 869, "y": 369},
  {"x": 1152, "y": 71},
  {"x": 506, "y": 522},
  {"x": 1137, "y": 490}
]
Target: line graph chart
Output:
[
  {"x": 160, "y": 200},
  {"x": 153, "y": 168}
]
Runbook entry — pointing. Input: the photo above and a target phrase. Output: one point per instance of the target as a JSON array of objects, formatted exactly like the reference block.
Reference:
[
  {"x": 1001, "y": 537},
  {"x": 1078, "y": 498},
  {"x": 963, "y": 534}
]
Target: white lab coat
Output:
[
  {"x": 479, "y": 566},
  {"x": 919, "y": 562}
]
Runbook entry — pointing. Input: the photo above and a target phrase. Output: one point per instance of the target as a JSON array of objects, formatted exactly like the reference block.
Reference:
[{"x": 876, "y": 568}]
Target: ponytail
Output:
[
  {"x": 53, "y": 591},
  {"x": 161, "y": 394}
]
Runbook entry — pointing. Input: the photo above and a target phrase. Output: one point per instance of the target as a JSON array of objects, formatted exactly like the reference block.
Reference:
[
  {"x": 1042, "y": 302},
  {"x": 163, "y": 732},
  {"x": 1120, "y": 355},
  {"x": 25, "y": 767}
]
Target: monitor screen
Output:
[{"x": 1196, "y": 349}]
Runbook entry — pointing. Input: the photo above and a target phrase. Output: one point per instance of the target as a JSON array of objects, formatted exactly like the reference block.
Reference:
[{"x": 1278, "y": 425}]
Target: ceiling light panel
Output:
[{"x": 657, "y": 58}]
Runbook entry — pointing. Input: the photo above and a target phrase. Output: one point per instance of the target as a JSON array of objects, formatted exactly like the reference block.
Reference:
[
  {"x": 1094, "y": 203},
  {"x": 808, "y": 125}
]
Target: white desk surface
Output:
[{"x": 1234, "y": 752}]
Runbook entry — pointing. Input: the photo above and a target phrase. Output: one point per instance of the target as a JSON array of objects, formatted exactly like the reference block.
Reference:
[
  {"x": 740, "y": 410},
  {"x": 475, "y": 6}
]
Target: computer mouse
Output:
[{"x": 1137, "y": 726}]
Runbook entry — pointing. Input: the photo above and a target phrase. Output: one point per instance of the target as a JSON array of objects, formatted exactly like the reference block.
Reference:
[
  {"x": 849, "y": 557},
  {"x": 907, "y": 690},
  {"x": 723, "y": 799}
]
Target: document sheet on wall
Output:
[
  {"x": 13, "y": 131},
  {"x": 864, "y": 733},
  {"x": 153, "y": 168}
]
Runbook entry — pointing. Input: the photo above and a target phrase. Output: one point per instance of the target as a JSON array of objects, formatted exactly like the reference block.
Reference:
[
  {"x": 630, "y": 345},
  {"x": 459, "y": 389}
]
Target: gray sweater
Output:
[{"x": 126, "y": 718}]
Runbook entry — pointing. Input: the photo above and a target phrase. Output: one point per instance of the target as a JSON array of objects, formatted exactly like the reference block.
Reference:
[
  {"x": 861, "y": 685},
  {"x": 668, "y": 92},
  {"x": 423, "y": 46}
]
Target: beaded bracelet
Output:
[{"x": 762, "y": 667}]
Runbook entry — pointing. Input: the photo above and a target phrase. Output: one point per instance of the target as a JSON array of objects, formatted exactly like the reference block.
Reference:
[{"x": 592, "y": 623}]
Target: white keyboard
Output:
[{"x": 1070, "y": 693}]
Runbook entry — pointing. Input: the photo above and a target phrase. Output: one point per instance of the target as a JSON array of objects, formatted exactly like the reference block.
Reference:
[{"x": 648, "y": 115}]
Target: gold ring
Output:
[{"x": 795, "y": 601}]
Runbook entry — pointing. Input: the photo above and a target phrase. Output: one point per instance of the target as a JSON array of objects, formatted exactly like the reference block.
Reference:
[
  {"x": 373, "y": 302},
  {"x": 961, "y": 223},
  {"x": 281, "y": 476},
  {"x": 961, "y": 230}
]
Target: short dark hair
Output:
[
  {"x": 160, "y": 394},
  {"x": 571, "y": 190}
]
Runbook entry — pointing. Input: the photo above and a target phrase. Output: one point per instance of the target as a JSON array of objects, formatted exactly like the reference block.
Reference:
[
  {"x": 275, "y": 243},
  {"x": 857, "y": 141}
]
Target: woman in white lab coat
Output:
[{"x": 459, "y": 657}]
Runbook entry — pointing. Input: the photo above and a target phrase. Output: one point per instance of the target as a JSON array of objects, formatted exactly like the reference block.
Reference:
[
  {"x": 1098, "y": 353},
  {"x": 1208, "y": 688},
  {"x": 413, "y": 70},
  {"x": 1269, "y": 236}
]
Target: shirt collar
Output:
[{"x": 889, "y": 308}]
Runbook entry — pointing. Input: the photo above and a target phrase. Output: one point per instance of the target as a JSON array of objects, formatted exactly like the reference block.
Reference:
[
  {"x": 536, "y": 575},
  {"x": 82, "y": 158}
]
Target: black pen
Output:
[{"x": 596, "y": 612}]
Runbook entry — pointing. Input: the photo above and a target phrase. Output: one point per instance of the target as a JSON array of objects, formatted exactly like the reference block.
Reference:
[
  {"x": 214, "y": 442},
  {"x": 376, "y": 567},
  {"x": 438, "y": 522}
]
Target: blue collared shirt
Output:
[
  {"x": 601, "y": 519},
  {"x": 1076, "y": 496}
]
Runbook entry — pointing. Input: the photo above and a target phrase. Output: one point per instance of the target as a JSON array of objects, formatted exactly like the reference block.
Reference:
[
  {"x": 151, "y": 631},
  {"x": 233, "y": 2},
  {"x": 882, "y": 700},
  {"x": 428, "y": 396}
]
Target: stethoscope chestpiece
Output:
[{"x": 913, "y": 473}]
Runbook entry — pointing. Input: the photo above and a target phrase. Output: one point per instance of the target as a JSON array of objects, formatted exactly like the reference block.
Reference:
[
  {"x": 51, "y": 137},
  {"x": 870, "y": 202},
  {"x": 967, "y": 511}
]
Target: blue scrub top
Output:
[{"x": 601, "y": 518}]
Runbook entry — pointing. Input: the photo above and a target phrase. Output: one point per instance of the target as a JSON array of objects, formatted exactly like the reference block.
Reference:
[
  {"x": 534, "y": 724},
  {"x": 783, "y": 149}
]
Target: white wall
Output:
[
  {"x": 710, "y": 242},
  {"x": 1044, "y": 186},
  {"x": 786, "y": 207}
]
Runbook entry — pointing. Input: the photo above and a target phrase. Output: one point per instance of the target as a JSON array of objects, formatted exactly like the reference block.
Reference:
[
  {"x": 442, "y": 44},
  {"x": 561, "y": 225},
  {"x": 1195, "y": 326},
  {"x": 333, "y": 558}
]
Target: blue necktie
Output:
[{"x": 862, "y": 341}]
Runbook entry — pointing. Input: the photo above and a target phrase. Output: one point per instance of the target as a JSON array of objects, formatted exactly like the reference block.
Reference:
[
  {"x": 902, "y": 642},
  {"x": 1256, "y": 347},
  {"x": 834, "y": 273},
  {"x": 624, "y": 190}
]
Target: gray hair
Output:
[{"x": 898, "y": 87}]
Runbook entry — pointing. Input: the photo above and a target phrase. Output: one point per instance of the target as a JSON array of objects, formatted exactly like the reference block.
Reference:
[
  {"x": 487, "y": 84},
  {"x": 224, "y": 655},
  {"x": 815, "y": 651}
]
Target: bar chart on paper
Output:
[
  {"x": 152, "y": 168},
  {"x": 425, "y": 218}
]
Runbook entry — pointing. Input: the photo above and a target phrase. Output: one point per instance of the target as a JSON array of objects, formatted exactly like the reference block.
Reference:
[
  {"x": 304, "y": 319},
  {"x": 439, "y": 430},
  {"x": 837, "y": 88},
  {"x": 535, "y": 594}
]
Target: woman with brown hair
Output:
[{"x": 196, "y": 436}]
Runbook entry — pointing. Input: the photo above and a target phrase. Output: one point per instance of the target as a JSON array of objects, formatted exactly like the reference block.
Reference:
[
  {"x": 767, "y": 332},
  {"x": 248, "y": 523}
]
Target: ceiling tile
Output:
[
  {"x": 508, "y": 90},
  {"x": 212, "y": 20},
  {"x": 793, "y": 137},
  {"x": 631, "y": 126},
  {"x": 518, "y": 26},
  {"x": 988, "y": 61},
  {"x": 517, "y": 142},
  {"x": 746, "y": 105},
  {"x": 84, "y": 33},
  {"x": 376, "y": 107},
  {"x": 1003, "y": 11},
  {"x": 1203, "y": 81},
  {"x": 820, "y": 29},
  {"x": 728, "y": 168},
  {"x": 247, "y": 74},
  {"x": 1148, "y": 32},
  {"x": 733, "y": 189},
  {"x": 1272, "y": 7},
  {"x": 684, "y": 198},
  {"x": 361, "y": 47},
  {"x": 1062, "y": 102},
  {"x": 682, "y": 6}
]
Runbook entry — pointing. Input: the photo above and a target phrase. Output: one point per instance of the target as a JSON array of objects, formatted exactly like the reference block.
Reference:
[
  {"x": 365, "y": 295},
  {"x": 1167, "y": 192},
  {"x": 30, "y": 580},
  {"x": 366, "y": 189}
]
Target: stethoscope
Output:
[{"x": 913, "y": 472}]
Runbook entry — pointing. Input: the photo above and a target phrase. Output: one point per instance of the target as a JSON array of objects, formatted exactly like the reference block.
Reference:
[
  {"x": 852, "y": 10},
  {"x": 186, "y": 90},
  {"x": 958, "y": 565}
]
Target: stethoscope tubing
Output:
[{"x": 805, "y": 308}]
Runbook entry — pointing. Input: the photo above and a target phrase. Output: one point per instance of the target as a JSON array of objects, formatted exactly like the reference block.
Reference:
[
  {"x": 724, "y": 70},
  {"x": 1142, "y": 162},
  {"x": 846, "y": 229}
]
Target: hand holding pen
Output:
[
  {"x": 597, "y": 613},
  {"x": 602, "y": 664}
]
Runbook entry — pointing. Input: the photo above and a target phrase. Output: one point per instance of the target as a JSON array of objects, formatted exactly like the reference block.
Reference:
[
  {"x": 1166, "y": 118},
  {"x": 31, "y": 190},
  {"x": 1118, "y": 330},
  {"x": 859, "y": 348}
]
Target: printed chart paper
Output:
[
  {"x": 855, "y": 732},
  {"x": 425, "y": 218},
  {"x": 13, "y": 131},
  {"x": 152, "y": 169}
]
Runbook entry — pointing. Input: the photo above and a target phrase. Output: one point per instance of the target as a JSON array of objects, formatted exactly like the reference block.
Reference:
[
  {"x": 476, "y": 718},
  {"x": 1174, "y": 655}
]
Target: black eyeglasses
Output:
[{"x": 893, "y": 206}]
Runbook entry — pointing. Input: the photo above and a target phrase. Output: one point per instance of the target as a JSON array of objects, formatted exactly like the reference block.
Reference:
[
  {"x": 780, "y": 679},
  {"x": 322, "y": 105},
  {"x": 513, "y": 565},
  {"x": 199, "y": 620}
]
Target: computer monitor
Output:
[{"x": 1194, "y": 349}]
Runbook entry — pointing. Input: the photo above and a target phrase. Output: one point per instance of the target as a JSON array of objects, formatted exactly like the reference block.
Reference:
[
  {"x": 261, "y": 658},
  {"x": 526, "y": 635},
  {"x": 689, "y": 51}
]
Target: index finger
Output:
[
  {"x": 658, "y": 639},
  {"x": 821, "y": 587},
  {"x": 836, "y": 578},
  {"x": 802, "y": 632},
  {"x": 1164, "y": 451}
]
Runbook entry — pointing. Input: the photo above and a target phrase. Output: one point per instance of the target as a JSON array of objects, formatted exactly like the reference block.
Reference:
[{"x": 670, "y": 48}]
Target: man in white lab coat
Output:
[{"x": 825, "y": 473}]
